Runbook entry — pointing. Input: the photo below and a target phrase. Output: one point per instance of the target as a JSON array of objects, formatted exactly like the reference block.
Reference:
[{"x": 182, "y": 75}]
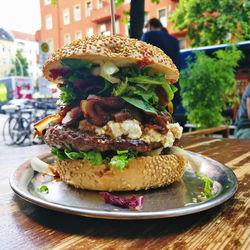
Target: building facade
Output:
[
  {"x": 29, "y": 47},
  {"x": 7, "y": 53},
  {"x": 73, "y": 19}
]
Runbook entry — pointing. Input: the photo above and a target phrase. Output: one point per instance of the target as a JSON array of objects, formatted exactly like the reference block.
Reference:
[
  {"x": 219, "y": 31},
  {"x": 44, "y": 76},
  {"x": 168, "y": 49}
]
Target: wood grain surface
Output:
[{"x": 27, "y": 226}]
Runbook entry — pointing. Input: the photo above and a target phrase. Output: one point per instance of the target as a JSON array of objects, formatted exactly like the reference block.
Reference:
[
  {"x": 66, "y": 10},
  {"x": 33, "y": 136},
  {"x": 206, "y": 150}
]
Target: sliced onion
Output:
[
  {"x": 41, "y": 167},
  {"x": 194, "y": 161},
  {"x": 107, "y": 70}
]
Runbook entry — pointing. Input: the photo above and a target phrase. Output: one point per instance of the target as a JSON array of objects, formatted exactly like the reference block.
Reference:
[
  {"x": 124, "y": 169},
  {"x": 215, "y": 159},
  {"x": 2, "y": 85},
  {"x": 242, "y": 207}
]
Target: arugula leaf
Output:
[
  {"x": 120, "y": 88},
  {"x": 157, "y": 79},
  {"x": 146, "y": 92},
  {"x": 129, "y": 71},
  {"x": 107, "y": 88},
  {"x": 141, "y": 104},
  {"x": 75, "y": 63},
  {"x": 207, "y": 185},
  {"x": 147, "y": 80},
  {"x": 43, "y": 189}
]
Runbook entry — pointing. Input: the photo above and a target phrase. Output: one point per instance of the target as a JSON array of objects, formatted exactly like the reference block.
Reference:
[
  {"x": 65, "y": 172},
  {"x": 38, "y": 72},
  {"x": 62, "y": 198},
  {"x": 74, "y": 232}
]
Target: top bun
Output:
[{"x": 122, "y": 51}]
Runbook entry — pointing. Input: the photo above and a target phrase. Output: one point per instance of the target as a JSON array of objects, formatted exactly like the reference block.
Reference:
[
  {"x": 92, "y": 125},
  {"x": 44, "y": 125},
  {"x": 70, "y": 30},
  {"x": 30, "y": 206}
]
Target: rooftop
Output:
[
  {"x": 23, "y": 36},
  {"x": 4, "y": 35}
]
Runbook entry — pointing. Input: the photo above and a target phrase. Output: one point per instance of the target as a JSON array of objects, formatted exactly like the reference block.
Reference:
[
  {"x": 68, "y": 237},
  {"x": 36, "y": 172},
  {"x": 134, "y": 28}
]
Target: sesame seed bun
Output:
[
  {"x": 141, "y": 173},
  {"x": 122, "y": 51}
]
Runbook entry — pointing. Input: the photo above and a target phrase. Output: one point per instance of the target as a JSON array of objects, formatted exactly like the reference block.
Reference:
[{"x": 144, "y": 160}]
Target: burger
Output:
[{"x": 114, "y": 129}]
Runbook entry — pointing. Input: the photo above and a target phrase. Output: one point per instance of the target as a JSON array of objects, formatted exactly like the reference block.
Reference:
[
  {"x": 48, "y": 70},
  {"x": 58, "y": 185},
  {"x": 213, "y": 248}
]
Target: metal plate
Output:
[{"x": 174, "y": 200}]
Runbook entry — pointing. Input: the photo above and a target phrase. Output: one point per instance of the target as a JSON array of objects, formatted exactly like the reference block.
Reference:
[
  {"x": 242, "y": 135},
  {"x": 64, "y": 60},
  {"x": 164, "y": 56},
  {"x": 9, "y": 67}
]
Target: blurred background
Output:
[{"x": 31, "y": 29}]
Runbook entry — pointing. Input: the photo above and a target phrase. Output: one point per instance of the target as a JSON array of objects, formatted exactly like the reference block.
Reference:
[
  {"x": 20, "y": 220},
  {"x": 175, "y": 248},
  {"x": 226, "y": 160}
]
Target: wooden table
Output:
[{"x": 27, "y": 226}]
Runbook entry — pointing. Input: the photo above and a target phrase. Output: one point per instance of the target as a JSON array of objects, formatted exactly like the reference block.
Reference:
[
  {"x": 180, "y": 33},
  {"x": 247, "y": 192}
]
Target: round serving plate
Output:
[{"x": 180, "y": 198}]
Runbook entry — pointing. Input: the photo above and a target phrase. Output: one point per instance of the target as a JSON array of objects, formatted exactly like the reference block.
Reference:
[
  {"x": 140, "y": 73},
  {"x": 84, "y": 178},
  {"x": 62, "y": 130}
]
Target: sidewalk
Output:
[{"x": 7, "y": 153}]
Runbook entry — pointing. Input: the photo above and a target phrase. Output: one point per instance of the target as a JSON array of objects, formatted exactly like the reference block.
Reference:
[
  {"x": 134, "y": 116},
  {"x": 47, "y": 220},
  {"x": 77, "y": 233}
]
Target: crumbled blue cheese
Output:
[
  {"x": 130, "y": 128},
  {"x": 133, "y": 130}
]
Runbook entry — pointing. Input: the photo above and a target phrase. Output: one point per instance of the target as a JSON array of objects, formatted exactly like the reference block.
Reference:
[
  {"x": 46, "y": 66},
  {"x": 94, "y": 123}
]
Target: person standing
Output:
[
  {"x": 242, "y": 130},
  {"x": 158, "y": 36}
]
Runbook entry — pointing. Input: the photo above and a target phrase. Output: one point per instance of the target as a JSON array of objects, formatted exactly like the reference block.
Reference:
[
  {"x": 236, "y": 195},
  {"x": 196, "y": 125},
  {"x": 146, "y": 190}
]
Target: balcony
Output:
[{"x": 103, "y": 14}]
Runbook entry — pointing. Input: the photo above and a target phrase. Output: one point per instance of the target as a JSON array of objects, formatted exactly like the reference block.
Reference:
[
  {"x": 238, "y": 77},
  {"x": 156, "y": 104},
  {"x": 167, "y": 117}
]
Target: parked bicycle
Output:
[{"x": 18, "y": 128}]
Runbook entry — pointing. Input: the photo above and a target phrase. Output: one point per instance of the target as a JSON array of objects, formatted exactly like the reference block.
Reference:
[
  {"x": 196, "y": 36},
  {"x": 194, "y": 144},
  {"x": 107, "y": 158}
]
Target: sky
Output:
[{"x": 20, "y": 15}]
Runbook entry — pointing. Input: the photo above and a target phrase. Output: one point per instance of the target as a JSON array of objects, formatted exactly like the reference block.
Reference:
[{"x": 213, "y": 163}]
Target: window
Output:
[
  {"x": 48, "y": 22},
  {"x": 66, "y": 39},
  {"x": 78, "y": 35},
  {"x": 77, "y": 13},
  {"x": 100, "y": 4},
  {"x": 47, "y": 2},
  {"x": 117, "y": 27},
  {"x": 90, "y": 31},
  {"x": 102, "y": 28},
  {"x": 66, "y": 18},
  {"x": 88, "y": 8},
  {"x": 162, "y": 17}
]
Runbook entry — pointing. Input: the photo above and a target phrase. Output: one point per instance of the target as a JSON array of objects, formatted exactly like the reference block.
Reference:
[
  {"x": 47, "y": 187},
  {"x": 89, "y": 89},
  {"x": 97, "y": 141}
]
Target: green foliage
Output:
[
  {"x": 21, "y": 65},
  {"x": 207, "y": 84},
  {"x": 210, "y": 21}
]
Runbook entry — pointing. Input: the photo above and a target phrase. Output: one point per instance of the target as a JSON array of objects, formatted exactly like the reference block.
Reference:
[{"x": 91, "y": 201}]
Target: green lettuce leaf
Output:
[
  {"x": 59, "y": 153},
  {"x": 93, "y": 156},
  {"x": 43, "y": 189},
  {"x": 208, "y": 188},
  {"x": 74, "y": 155},
  {"x": 122, "y": 159}
]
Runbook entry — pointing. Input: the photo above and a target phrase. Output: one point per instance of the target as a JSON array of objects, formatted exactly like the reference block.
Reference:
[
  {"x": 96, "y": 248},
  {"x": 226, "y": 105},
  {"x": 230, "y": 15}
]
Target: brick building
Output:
[{"x": 74, "y": 19}]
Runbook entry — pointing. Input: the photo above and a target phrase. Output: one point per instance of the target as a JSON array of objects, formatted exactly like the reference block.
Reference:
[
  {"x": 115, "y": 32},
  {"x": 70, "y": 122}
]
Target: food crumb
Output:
[
  {"x": 218, "y": 222},
  {"x": 194, "y": 200}
]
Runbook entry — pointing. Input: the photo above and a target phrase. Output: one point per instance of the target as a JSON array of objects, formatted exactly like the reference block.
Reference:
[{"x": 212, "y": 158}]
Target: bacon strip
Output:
[{"x": 99, "y": 110}]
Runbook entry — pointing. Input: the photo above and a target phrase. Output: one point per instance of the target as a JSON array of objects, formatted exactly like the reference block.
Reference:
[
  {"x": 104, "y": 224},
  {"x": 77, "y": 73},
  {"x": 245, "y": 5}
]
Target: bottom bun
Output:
[{"x": 141, "y": 173}]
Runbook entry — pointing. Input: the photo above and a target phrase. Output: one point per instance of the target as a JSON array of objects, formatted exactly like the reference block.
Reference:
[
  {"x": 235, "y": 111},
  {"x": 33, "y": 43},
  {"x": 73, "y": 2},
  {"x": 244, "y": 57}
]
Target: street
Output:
[{"x": 8, "y": 153}]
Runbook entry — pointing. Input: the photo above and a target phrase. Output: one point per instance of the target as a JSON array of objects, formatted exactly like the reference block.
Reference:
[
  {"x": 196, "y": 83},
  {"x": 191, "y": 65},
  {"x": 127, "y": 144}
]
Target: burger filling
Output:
[{"x": 110, "y": 114}]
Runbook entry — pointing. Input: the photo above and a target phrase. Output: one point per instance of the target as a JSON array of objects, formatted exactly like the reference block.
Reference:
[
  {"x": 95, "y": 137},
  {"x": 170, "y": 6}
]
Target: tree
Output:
[
  {"x": 211, "y": 22},
  {"x": 208, "y": 85},
  {"x": 20, "y": 65}
]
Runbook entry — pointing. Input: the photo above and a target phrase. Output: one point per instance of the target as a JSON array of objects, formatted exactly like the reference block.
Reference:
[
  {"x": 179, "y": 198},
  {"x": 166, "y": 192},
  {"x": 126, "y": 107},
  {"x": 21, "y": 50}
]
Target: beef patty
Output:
[{"x": 61, "y": 136}]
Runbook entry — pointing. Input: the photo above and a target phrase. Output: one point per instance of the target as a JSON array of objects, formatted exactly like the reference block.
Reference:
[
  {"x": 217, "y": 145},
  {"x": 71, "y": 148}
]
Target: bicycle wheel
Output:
[
  {"x": 20, "y": 130},
  {"x": 7, "y": 137}
]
